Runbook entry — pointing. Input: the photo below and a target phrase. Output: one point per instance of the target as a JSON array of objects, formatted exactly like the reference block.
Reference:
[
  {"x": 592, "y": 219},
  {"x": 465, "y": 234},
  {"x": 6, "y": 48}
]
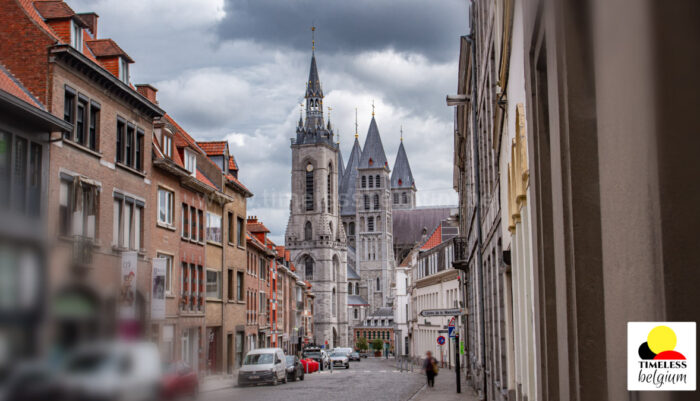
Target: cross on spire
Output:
[
  {"x": 401, "y": 132},
  {"x": 313, "y": 38},
  {"x": 372, "y": 107},
  {"x": 356, "y": 135}
]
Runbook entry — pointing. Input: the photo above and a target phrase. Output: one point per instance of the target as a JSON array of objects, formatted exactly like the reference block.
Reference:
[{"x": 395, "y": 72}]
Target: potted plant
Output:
[{"x": 377, "y": 346}]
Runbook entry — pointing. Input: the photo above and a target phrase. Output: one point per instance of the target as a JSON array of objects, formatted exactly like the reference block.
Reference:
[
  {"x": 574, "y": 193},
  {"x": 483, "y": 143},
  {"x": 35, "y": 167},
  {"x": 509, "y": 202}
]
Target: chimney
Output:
[
  {"x": 90, "y": 19},
  {"x": 148, "y": 91}
]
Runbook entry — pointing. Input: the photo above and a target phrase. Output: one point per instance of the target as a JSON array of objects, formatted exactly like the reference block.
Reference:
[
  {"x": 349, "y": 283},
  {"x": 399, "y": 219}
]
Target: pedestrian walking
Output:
[{"x": 430, "y": 368}]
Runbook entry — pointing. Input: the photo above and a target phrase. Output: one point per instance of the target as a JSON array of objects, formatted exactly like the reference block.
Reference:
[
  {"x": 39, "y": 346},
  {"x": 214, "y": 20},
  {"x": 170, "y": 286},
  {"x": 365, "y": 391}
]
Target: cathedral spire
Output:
[
  {"x": 314, "y": 93},
  {"x": 401, "y": 175}
]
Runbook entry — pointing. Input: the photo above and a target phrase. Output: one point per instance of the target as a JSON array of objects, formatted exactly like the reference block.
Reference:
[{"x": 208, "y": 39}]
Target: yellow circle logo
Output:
[{"x": 661, "y": 338}]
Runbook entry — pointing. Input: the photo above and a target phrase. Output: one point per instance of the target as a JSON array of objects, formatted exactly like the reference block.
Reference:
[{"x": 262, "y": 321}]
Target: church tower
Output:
[
  {"x": 403, "y": 188},
  {"x": 374, "y": 238},
  {"x": 314, "y": 233}
]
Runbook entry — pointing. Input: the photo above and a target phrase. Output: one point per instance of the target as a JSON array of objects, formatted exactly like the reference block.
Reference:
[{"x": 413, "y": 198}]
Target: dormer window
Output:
[
  {"x": 123, "y": 70},
  {"x": 167, "y": 146},
  {"x": 191, "y": 162},
  {"x": 76, "y": 36}
]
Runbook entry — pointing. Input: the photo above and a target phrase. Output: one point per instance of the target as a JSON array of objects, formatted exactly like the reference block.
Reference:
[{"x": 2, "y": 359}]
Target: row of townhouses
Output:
[
  {"x": 566, "y": 132},
  {"x": 117, "y": 223}
]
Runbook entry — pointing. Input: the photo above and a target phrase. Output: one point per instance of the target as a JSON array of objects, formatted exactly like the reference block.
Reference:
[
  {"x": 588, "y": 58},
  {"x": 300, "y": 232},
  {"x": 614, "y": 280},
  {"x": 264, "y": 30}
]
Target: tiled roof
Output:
[
  {"x": 383, "y": 312},
  {"x": 341, "y": 165},
  {"x": 235, "y": 180},
  {"x": 408, "y": 224},
  {"x": 31, "y": 11},
  {"x": 54, "y": 9},
  {"x": 203, "y": 178},
  {"x": 184, "y": 139},
  {"x": 356, "y": 300},
  {"x": 232, "y": 165},
  {"x": 213, "y": 148},
  {"x": 352, "y": 274},
  {"x": 434, "y": 240},
  {"x": 107, "y": 48},
  {"x": 257, "y": 227},
  {"x": 11, "y": 85}
]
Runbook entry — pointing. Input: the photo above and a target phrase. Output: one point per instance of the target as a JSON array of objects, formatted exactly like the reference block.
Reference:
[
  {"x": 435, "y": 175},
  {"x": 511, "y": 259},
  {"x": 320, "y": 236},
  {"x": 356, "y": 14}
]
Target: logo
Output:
[{"x": 661, "y": 356}]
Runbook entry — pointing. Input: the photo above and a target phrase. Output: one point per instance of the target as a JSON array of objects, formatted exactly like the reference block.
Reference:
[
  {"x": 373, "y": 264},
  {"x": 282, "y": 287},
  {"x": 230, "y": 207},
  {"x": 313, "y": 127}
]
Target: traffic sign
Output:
[
  {"x": 442, "y": 312},
  {"x": 451, "y": 331},
  {"x": 452, "y": 322},
  {"x": 441, "y": 340}
]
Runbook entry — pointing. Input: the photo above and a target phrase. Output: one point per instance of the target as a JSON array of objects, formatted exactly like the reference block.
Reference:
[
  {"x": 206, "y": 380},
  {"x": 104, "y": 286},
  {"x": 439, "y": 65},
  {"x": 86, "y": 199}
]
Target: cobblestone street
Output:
[{"x": 370, "y": 379}]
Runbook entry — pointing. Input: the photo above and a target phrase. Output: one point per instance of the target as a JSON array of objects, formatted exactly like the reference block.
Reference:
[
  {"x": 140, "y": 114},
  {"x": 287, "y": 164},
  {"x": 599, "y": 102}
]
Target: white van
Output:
[{"x": 264, "y": 365}]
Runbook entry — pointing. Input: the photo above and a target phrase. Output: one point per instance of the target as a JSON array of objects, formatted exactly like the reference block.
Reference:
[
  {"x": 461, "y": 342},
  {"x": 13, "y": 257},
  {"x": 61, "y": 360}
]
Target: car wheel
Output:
[{"x": 347, "y": 366}]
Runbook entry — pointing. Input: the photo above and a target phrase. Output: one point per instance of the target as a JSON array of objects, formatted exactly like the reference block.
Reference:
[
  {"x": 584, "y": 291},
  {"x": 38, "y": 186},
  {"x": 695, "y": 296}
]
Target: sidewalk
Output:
[
  {"x": 216, "y": 382},
  {"x": 445, "y": 389}
]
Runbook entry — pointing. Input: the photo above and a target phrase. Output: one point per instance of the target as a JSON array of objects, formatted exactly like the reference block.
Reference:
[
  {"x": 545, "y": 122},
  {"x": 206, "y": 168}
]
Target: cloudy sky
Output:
[{"x": 236, "y": 69}]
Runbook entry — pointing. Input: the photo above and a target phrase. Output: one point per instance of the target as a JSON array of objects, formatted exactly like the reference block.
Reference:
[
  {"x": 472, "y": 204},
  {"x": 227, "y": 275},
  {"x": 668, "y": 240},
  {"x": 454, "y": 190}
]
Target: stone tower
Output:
[
  {"x": 374, "y": 238},
  {"x": 314, "y": 233},
  {"x": 403, "y": 188}
]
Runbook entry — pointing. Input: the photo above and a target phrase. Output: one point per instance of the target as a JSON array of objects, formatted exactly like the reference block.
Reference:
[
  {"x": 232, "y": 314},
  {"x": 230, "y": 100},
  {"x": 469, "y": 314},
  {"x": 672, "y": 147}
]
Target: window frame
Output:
[
  {"x": 219, "y": 293},
  {"x": 170, "y": 200},
  {"x": 209, "y": 232},
  {"x": 168, "y": 271},
  {"x": 190, "y": 162}
]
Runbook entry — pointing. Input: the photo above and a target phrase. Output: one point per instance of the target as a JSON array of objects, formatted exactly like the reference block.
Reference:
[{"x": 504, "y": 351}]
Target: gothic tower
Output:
[
  {"x": 403, "y": 188},
  {"x": 314, "y": 232},
  {"x": 374, "y": 236}
]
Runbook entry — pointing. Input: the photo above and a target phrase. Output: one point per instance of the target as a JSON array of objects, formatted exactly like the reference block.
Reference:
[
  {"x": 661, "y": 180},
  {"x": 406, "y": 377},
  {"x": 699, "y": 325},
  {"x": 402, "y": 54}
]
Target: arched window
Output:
[
  {"x": 364, "y": 181},
  {"x": 376, "y": 202},
  {"x": 329, "y": 185},
  {"x": 371, "y": 181},
  {"x": 349, "y": 288},
  {"x": 379, "y": 182},
  {"x": 366, "y": 199},
  {"x": 334, "y": 302},
  {"x": 355, "y": 313},
  {"x": 309, "y": 268},
  {"x": 309, "y": 195},
  {"x": 336, "y": 267},
  {"x": 308, "y": 233},
  {"x": 357, "y": 288},
  {"x": 370, "y": 223},
  {"x": 352, "y": 228},
  {"x": 379, "y": 285},
  {"x": 404, "y": 197}
]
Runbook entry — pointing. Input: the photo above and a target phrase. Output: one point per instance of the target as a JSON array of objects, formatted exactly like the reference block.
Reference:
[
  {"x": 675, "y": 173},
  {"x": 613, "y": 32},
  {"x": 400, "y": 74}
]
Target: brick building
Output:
[
  {"x": 259, "y": 258},
  {"x": 378, "y": 325}
]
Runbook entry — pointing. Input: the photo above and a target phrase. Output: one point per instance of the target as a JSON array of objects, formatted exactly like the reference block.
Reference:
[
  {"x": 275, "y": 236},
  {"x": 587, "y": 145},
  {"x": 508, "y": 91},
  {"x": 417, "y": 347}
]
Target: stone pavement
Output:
[
  {"x": 217, "y": 382},
  {"x": 445, "y": 389}
]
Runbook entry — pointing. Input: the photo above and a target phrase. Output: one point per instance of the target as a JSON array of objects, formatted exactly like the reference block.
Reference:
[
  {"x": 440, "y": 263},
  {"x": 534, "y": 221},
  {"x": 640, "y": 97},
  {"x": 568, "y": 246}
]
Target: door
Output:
[
  {"x": 229, "y": 349},
  {"x": 239, "y": 348}
]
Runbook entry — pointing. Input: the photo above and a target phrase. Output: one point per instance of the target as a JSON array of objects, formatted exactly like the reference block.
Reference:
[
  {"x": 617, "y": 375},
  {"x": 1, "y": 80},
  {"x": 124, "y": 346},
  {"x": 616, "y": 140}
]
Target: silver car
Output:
[{"x": 340, "y": 359}]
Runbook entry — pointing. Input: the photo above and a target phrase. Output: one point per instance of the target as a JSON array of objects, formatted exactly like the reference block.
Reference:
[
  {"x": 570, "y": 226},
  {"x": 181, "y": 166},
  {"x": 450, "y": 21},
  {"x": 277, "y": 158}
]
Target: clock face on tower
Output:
[{"x": 309, "y": 167}]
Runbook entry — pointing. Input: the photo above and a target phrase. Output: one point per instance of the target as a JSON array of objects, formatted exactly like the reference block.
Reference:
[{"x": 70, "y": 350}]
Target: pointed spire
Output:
[
  {"x": 347, "y": 184},
  {"x": 313, "y": 39},
  {"x": 356, "y": 135},
  {"x": 373, "y": 155},
  {"x": 372, "y": 107},
  {"x": 401, "y": 133},
  {"x": 401, "y": 176}
]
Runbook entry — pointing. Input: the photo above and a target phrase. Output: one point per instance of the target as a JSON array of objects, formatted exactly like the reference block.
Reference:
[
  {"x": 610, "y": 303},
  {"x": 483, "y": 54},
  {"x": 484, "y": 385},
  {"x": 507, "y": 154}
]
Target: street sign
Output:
[
  {"x": 452, "y": 322},
  {"x": 442, "y": 312},
  {"x": 441, "y": 340},
  {"x": 442, "y": 331},
  {"x": 451, "y": 331}
]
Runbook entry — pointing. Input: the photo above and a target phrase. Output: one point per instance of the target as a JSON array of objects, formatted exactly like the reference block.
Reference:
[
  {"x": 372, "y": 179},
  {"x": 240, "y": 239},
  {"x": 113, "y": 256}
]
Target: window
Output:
[
  {"x": 396, "y": 198},
  {"x": 185, "y": 221},
  {"x": 138, "y": 152},
  {"x": 355, "y": 313},
  {"x": 193, "y": 225},
  {"x": 352, "y": 228},
  {"x": 121, "y": 128},
  {"x": 378, "y": 181},
  {"x": 191, "y": 162},
  {"x": 165, "y": 206},
  {"x": 20, "y": 174},
  {"x": 404, "y": 197},
  {"x": 80, "y": 118},
  {"x": 366, "y": 199},
  {"x": 128, "y": 222},
  {"x": 69, "y": 106},
  {"x": 376, "y": 202},
  {"x": 129, "y": 145},
  {"x": 379, "y": 285},
  {"x": 334, "y": 303},
  {"x": 200, "y": 221},
  {"x": 364, "y": 181},
  {"x": 239, "y": 286},
  {"x": 309, "y": 268},
  {"x": 231, "y": 228},
  {"x": 349, "y": 288},
  {"x": 229, "y": 285},
  {"x": 329, "y": 186},
  {"x": 78, "y": 208},
  {"x": 309, "y": 187},
  {"x": 76, "y": 36},
  {"x": 168, "y": 272},
  {"x": 370, "y": 223},
  {"x": 371, "y": 182},
  {"x": 308, "y": 233},
  {"x": 357, "y": 288},
  {"x": 241, "y": 228},
  {"x": 213, "y": 284},
  {"x": 213, "y": 227},
  {"x": 94, "y": 125},
  {"x": 123, "y": 70},
  {"x": 167, "y": 145}
]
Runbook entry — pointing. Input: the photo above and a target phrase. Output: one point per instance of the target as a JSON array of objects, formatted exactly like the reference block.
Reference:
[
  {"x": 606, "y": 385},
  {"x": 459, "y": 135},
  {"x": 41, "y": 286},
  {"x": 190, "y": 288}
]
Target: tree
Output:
[
  {"x": 362, "y": 344},
  {"x": 377, "y": 344}
]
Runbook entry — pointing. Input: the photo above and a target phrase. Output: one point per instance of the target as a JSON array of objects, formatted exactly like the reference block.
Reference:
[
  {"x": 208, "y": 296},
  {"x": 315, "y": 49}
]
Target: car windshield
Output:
[
  {"x": 338, "y": 354},
  {"x": 290, "y": 360},
  {"x": 258, "y": 359},
  {"x": 312, "y": 354},
  {"x": 87, "y": 362}
]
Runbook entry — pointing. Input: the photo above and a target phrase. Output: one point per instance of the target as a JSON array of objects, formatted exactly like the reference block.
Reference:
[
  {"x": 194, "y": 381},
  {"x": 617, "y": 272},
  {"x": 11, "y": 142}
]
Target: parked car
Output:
[
  {"x": 309, "y": 365},
  {"x": 28, "y": 381},
  {"x": 340, "y": 359},
  {"x": 264, "y": 365},
  {"x": 179, "y": 379},
  {"x": 347, "y": 351},
  {"x": 106, "y": 371},
  {"x": 354, "y": 356},
  {"x": 317, "y": 355},
  {"x": 294, "y": 368}
]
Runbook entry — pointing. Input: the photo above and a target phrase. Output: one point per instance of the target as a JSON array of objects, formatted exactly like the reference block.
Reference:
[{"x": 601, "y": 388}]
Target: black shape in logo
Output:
[{"x": 645, "y": 352}]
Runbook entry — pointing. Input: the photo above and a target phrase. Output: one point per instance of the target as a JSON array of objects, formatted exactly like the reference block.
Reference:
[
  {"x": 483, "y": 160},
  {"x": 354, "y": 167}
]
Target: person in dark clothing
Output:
[{"x": 430, "y": 368}]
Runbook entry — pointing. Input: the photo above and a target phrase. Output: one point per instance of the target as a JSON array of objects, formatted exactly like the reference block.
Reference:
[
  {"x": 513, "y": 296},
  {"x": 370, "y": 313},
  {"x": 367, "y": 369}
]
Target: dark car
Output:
[
  {"x": 294, "y": 368},
  {"x": 354, "y": 356},
  {"x": 316, "y": 355},
  {"x": 179, "y": 380}
]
